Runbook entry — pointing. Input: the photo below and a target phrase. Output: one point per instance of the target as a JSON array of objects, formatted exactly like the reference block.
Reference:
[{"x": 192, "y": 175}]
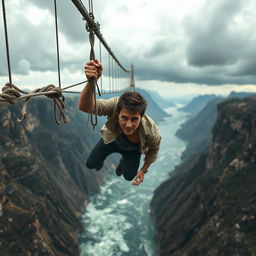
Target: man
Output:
[{"x": 128, "y": 130}]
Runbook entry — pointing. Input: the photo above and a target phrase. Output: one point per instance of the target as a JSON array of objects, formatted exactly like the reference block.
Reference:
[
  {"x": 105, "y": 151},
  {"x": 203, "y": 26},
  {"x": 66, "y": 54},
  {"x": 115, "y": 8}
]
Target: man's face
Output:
[{"x": 128, "y": 121}]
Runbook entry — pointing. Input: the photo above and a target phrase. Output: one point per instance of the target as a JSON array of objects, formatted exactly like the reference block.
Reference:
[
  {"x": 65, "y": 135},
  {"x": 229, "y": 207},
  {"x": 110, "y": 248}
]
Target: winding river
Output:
[{"x": 117, "y": 220}]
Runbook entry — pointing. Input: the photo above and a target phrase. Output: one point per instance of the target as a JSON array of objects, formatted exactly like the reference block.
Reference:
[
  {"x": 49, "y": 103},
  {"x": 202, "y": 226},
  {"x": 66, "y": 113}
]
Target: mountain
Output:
[
  {"x": 161, "y": 101},
  {"x": 198, "y": 129},
  {"x": 208, "y": 205},
  {"x": 197, "y": 104},
  {"x": 240, "y": 94},
  {"x": 44, "y": 184},
  {"x": 153, "y": 109}
]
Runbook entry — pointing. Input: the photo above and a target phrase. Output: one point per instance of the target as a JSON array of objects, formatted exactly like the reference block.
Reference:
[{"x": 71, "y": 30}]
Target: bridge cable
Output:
[
  {"x": 7, "y": 43},
  {"x": 11, "y": 93},
  {"x": 57, "y": 40}
]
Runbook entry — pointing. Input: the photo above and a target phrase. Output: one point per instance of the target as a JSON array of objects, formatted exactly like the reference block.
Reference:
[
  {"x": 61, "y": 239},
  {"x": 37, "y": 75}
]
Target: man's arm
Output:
[
  {"x": 93, "y": 69},
  {"x": 140, "y": 174},
  {"x": 150, "y": 157}
]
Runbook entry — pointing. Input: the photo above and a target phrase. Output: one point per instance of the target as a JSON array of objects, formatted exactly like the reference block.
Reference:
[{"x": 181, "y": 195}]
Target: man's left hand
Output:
[{"x": 139, "y": 178}]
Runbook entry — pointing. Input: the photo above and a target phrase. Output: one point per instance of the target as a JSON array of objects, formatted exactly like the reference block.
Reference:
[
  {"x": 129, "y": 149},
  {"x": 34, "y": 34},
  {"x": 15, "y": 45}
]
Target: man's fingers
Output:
[
  {"x": 91, "y": 73},
  {"x": 97, "y": 68},
  {"x": 94, "y": 63},
  {"x": 90, "y": 63},
  {"x": 93, "y": 69},
  {"x": 90, "y": 67},
  {"x": 137, "y": 180}
]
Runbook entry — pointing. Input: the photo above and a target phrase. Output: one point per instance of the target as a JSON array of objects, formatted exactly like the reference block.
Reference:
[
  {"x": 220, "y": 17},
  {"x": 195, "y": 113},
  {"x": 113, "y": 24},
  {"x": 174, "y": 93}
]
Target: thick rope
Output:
[
  {"x": 11, "y": 94},
  {"x": 7, "y": 43},
  {"x": 57, "y": 41},
  {"x": 92, "y": 81},
  {"x": 100, "y": 62}
]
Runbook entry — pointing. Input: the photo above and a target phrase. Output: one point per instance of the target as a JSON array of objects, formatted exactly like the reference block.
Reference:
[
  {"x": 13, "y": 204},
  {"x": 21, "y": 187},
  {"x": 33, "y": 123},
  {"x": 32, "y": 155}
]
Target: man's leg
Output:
[
  {"x": 99, "y": 154},
  {"x": 119, "y": 168},
  {"x": 130, "y": 164}
]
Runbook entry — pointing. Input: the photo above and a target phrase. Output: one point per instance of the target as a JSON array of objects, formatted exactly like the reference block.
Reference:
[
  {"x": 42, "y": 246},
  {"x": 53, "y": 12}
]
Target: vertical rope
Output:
[
  {"x": 92, "y": 81},
  {"x": 89, "y": 6},
  {"x": 109, "y": 74},
  {"x": 115, "y": 77},
  {"x": 7, "y": 43},
  {"x": 115, "y": 74},
  {"x": 100, "y": 62},
  {"x": 114, "y": 80},
  {"x": 112, "y": 75},
  {"x": 118, "y": 79},
  {"x": 132, "y": 83},
  {"x": 57, "y": 41}
]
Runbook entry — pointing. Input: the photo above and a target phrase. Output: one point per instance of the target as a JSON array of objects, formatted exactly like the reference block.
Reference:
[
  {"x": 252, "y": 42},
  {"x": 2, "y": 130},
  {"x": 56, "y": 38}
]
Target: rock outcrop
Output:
[
  {"x": 208, "y": 206},
  {"x": 44, "y": 184}
]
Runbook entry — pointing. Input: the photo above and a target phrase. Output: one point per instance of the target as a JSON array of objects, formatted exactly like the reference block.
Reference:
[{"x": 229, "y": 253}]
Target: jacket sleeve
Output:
[
  {"x": 153, "y": 148},
  {"x": 106, "y": 107}
]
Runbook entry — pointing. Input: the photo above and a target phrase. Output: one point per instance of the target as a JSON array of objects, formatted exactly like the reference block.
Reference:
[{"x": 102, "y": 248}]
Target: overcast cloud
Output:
[{"x": 189, "y": 41}]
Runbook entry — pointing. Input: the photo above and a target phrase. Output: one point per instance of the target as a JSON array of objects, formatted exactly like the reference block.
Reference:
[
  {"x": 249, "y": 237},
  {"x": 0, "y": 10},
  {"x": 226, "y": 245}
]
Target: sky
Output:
[{"x": 184, "y": 47}]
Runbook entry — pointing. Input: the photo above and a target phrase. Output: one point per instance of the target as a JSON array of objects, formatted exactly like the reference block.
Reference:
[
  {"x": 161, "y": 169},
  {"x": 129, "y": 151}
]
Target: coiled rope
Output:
[{"x": 12, "y": 94}]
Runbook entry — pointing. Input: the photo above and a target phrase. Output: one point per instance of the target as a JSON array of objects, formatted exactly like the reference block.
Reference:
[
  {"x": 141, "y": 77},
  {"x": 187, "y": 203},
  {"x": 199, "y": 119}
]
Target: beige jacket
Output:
[{"x": 148, "y": 131}]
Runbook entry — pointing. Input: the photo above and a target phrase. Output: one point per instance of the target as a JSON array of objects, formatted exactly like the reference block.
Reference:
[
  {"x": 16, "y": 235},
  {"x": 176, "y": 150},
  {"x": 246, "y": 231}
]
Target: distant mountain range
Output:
[
  {"x": 161, "y": 101},
  {"x": 197, "y": 104},
  {"x": 198, "y": 129},
  {"x": 153, "y": 108}
]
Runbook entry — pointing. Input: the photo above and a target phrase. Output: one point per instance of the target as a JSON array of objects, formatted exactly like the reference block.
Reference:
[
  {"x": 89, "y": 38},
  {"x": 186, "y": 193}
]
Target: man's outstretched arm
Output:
[
  {"x": 150, "y": 157},
  {"x": 93, "y": 69},
  {"x": 140, "y": 174}
]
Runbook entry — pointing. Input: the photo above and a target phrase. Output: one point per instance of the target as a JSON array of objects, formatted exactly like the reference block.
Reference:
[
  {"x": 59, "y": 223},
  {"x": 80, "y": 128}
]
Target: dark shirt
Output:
[{"x": 124, "y": 144}]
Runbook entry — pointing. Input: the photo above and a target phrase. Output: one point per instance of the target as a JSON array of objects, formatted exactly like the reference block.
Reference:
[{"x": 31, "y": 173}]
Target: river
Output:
[{"x": 117, "y": 220}]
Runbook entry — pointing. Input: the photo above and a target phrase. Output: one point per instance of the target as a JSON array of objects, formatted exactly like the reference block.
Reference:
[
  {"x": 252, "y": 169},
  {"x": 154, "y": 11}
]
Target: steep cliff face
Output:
[
  {"x": 208, "y": 206},
  {"x": 44, "y": 183},
  {"x": 197, "y": 131}
]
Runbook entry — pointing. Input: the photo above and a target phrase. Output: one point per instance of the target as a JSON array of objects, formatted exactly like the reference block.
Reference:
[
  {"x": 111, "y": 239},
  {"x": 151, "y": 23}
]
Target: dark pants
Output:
[{"x": 130, "y": 163}]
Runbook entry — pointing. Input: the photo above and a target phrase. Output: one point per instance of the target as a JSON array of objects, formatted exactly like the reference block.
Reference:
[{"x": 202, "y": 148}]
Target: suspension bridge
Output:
[{"x": 11, "y": 93}]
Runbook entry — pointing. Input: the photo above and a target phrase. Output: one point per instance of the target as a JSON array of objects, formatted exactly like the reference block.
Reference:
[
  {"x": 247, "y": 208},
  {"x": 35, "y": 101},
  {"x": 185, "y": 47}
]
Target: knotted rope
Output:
[
  {"x": 12, "y": 94},
  {"x": 94, "y": 85}
]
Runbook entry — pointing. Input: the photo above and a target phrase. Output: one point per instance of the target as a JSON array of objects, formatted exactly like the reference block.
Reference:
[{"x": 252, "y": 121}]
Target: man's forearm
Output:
[
  {"x": 93, "y": 70},
  {"x": 86, "y": 100},
  {"x": 145, "y": 167}
]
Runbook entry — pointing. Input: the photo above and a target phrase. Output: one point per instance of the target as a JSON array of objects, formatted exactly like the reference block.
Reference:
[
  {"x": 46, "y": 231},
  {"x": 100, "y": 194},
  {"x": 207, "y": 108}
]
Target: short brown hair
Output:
[{"x": 132, "y": 101}]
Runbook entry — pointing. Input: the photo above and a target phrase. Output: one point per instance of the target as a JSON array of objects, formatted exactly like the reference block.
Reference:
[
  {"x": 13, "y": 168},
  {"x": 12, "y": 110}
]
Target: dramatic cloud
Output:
[
  {"x": 222, "y": 41},
  {"x": 189, "y": 41}
]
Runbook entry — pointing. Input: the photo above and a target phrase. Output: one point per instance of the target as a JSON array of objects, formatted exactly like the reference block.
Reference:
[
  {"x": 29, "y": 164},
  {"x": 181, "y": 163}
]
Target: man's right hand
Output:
[{"x": 93, "y": 69}]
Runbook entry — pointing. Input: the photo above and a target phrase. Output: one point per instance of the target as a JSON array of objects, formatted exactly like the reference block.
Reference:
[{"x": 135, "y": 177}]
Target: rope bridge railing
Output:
[{"x": 12, "y": 94}]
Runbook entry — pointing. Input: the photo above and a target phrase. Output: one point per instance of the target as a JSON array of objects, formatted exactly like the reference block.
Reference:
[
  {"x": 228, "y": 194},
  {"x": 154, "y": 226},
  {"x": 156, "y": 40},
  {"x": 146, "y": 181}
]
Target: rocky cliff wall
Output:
[
  {"x": 44, "y": 183},
  {"x": 208, "y": 206}
]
